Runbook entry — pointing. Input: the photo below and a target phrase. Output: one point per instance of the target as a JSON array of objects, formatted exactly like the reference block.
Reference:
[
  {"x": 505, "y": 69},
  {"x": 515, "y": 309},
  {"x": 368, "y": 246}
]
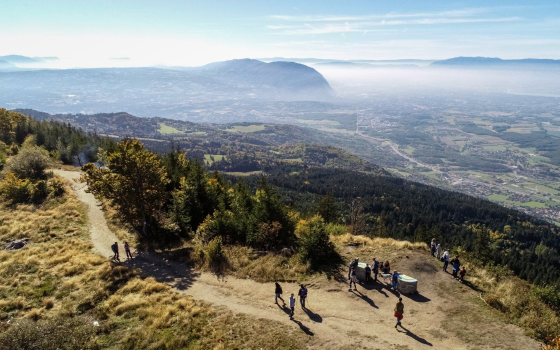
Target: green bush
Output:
[
  {"x": 56, "y": 187},
  {"x": 315, "y": 246},
  {"x": 30, "y": 162},
  {"x": 547, "y": 294},
  {"x": 16, "y": 190},
  {"x": 40, "y": 191},
  {"x": 335, "y": 229},
  {"x": 215, "y": 254}
]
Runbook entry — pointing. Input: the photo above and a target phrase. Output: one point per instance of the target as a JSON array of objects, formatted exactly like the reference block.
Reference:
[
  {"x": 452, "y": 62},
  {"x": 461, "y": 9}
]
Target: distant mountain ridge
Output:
[
  {"x": 15, "y": 59},
  {"x": 495, "y": 62},
  {"x": 290, "y": 77}
]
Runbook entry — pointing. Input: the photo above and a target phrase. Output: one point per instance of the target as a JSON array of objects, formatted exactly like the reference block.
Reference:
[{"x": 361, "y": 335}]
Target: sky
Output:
[{"x": 182, "y": 32}]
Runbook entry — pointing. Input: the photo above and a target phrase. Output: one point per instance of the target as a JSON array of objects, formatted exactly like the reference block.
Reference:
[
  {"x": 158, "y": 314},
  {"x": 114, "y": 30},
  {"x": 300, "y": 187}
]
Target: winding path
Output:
[{"x": 335, "y": 318}]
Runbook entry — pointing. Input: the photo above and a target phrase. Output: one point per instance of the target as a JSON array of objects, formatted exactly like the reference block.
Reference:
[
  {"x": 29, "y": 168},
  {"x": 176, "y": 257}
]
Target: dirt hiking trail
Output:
[{"x": 444, "y": 314}]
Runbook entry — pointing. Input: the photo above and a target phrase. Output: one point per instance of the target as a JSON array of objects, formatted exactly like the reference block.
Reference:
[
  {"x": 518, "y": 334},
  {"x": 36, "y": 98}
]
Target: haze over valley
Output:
[{"x": 482, "y": 126}]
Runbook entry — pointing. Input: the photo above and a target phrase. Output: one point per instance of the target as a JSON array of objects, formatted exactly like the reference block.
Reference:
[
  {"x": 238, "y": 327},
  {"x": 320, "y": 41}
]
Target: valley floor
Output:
[{"x": 445, "y": 314}]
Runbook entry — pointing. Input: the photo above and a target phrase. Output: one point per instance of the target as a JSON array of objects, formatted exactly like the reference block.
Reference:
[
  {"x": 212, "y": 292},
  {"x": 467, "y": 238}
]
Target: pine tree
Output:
[
  {"x": 134, "y": 182},
  {"x": 482, "y": 245},
  {"x": 328, "y": 208}
]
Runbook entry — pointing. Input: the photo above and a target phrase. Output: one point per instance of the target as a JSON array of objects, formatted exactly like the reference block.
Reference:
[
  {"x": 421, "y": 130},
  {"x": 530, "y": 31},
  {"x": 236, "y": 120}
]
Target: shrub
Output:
[
  {"x": 16, "y": 190},
  {"x": 335, "y": 229},
  {"x": 14, "y": 149},
  {"x": 56, "y": 187},
  {"x": 40, "y": 191},
  {"x": 548, "y": 294},
  {"x": 215, "y": 254},
  {"x": 315, "y": 246},
  {"x": 30, "y": 162},
  {"x": 56, "y": 333}
]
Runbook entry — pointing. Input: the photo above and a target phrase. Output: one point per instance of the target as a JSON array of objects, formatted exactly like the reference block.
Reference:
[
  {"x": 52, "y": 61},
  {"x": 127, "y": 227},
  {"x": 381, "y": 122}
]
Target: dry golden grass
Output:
[
  {"x": 514, "y": 298},
  {"x": 123, "y": 231},
  {"x": 267, "y": 268},
  {"x": 377, "y": 242},
  {"x": 57, "y": 277}
]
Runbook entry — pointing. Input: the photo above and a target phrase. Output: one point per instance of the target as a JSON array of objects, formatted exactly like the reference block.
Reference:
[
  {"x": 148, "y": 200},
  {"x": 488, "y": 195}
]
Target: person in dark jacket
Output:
[
  {"x": 115, "y": 248},
  {"x": 302, "y": 296},
  {"x": 455, "y": 264},
  {"x": 368, "y": 273},
  {"x": 462, "y": 273},
  {"x": 127, "y": 250},
  {"x": 386, "y": 267},
  {"x": 278, "y": 292},
  {"x": 352, "y": 279},
  {"x": 433, "y": 247},
  {"x": 353, "y": 265},
  {"x": 375, "y": 268}
]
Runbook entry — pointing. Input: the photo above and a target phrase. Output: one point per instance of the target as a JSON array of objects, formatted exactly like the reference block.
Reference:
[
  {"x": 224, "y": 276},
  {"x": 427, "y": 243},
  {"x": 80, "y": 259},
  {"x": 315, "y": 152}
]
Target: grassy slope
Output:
[{"x": 57, "y": 276}]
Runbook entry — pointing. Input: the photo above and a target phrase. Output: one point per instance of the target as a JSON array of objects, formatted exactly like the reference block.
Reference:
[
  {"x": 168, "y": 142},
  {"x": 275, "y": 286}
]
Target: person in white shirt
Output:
[
  {"x": 292, "y": 302},
  {"x": 445, "y": 260}
]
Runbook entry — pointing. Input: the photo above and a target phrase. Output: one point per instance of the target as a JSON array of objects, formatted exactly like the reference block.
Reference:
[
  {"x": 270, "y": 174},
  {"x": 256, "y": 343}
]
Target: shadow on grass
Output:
[
  {"x": 284, "y": 308},
  {"x": 304, "y": 328},
  {"x": 415, "y": 337},
  {"x": 313, "y": 316},
  {"x": 180, "y": 276}
]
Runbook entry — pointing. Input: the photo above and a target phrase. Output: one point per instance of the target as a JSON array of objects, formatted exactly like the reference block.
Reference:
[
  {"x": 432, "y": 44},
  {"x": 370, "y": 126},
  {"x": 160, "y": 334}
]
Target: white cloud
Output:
[
  {"x": 362, "y": 26},
  {"x": 327, "y": 18}
]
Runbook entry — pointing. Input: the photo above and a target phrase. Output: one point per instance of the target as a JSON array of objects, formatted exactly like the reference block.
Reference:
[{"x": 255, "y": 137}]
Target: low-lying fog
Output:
[{"x": 359, "y": 82}]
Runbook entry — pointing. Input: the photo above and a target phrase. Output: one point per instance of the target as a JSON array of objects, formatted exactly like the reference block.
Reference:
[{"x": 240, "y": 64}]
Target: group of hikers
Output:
[
  {"x": 383, "y": 269},
  {"x": 115, "y": 249},
  {"x": 302, "y": 294},
  {"x": 458, "y": 271},
  {"x": 376, "y": 267}
]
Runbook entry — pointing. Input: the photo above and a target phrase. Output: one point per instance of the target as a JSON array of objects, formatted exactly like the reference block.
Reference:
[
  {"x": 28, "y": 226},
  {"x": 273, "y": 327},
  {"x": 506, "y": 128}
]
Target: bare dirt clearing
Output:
[{"x": 445, "y": 313}]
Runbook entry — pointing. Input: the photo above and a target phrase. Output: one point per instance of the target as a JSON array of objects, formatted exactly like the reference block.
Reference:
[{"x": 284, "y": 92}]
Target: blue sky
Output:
[{"x": 196, "y": 32}]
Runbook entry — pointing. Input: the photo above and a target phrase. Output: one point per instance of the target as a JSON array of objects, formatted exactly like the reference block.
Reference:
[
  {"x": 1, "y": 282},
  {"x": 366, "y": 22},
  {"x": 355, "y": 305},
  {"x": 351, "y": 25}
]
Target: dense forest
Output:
[{"x": 403, "y": 209}]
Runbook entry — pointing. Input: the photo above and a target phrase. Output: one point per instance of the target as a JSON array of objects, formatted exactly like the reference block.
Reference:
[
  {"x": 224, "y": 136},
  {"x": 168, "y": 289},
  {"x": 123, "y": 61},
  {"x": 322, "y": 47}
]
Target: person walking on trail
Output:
[
  {"x": 438, "y": 251},
  {"x": 278, "y": 292},
  {"x": 302, "y": 296},
  {"x": 399, "y": 311},
  {"x": 368, "y": 273},
  {"x": 433, "y": 247},
  {"x": 394, "y": 279},
  {"x": 445, "y": 260},
  {"x": 375, "y": 267},
  {"x": 115, "y": 248},
  {"x": 353, "y": 265},
  {"x": 462, "y": 273},
  {"x": 455, "y": 263},
  {"x": 352, "y": 280},
  {"x": 127, "y": 250},
  {"x": 292, "y": 302}
]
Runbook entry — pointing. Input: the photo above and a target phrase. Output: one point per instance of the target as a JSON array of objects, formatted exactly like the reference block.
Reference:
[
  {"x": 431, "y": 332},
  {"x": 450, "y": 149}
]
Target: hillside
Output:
[
  {"x": 234, "y": 147},
  {"x": 292, "y": 79},
  {"x": 188, "y": 226}
]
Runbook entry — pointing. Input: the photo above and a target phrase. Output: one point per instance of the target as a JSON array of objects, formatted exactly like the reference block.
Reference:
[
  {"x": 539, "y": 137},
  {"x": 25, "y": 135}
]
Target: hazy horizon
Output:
[{"x": 178, "y": 33}]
